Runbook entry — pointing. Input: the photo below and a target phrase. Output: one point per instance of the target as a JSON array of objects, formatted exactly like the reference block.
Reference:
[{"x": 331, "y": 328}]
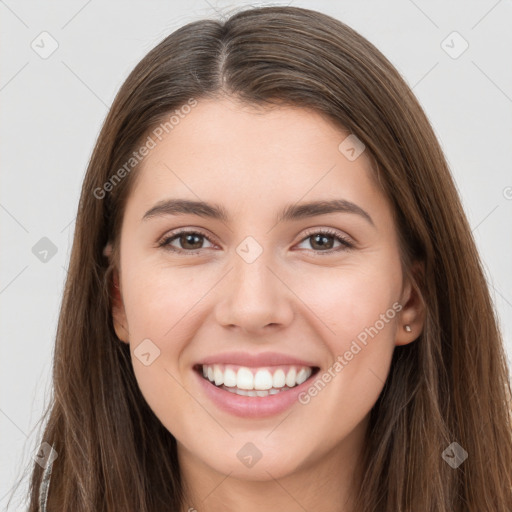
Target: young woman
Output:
[{"x": 274, "y": 300}]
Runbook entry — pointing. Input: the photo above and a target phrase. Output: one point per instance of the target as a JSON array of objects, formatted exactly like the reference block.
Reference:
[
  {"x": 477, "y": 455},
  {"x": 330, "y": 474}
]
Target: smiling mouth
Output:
[{"x": 256, "y": 382}]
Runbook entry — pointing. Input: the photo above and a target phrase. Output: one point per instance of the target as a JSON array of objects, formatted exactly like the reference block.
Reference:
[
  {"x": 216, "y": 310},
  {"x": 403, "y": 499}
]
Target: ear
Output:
[
  {"x": 414, "y": 310},
  {"x": 118, "y": 311}
]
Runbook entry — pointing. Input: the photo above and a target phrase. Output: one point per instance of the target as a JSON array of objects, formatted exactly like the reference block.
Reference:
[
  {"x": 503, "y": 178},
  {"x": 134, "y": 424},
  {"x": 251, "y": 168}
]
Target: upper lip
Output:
[{"x": 255, "y": 360}]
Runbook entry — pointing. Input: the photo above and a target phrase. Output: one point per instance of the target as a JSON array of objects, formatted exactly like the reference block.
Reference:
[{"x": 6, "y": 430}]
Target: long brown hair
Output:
[{"x": 451, "y": 385}]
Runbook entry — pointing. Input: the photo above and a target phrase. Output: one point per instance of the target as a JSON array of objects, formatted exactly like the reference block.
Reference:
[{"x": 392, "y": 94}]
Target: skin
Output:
[{"x": 292, "y": 299}]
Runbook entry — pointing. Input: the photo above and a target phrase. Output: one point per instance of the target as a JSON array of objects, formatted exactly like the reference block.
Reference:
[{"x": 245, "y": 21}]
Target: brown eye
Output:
[
  {"x": 188, "y": 241},
  {"x": 323, "y": 241}
]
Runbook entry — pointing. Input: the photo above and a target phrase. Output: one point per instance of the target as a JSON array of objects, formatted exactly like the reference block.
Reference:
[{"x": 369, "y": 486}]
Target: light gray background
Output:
[{"x": 52, "y": 110}]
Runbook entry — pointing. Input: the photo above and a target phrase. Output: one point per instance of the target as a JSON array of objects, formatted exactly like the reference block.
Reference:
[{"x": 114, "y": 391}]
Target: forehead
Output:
[{"x": 232, "y": 152}]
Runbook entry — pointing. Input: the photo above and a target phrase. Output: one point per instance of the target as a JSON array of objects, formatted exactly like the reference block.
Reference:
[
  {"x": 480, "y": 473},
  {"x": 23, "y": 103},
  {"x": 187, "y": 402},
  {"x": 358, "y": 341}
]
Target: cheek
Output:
[
  {"x": 359, "y": 305},
  {"x": 350, "y": 299},
  {"x": 159, "y": 307},
  {"x": 157, "y": 301}
]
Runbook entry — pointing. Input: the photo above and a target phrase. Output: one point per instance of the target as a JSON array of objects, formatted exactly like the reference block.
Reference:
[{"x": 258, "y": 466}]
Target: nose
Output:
[{"x": 254, "y": 297}]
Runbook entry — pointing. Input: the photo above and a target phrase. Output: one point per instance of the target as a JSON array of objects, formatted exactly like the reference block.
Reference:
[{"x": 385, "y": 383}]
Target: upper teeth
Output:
[{"x": 261, "y": 379}]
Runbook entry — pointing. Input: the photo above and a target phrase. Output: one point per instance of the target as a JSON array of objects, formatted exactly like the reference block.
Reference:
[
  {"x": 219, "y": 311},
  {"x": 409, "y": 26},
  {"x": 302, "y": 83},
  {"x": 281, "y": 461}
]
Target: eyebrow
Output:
[{"x": 288, "y": 213}]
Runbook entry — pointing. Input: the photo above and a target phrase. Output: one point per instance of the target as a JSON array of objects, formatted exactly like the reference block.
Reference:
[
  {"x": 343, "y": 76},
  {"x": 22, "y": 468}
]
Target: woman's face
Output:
[{"x": 255, "y": 295}]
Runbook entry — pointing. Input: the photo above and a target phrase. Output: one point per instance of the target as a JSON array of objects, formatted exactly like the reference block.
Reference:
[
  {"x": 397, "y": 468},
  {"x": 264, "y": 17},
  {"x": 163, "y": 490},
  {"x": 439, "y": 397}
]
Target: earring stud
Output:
[{"x": 407, "y": 328}]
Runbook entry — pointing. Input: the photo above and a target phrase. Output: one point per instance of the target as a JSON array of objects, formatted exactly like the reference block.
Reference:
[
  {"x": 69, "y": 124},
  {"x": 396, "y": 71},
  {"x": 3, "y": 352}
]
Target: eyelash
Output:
[{"x": 345, "y": 243}]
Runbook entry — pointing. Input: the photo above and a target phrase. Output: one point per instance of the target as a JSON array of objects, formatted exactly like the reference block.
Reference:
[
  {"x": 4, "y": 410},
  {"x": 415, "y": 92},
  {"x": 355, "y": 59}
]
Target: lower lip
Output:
[{"x": 252, "y": 406}]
